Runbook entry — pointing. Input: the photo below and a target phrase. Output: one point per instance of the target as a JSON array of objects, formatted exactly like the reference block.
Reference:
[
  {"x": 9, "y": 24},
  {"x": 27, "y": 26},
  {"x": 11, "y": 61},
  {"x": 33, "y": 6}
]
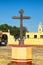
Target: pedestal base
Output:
[
  {"x": 22, "y": 55},
  {"x": 22, "y": 63}
]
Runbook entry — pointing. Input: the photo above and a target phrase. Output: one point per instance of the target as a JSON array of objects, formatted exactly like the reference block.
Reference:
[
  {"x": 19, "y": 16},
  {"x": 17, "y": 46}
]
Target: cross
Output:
[{"x": 21, "y": 17}]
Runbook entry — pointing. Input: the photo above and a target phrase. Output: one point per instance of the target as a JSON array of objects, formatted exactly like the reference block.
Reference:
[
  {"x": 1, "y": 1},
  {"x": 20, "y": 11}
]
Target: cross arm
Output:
[
  {"x": 16, "y": 17},
  {"x": 23, "y": 17},
  {"x": 26, "y": 17}
]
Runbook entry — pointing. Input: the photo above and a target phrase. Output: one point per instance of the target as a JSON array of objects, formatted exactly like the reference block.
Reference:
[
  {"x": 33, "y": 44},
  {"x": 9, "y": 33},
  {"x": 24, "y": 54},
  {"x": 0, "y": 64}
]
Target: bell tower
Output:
[{"x": 40, "y": 27}]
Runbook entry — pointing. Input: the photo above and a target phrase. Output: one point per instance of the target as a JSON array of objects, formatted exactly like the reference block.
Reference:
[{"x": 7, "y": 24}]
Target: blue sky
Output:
[{"x": 32, "y": 8}]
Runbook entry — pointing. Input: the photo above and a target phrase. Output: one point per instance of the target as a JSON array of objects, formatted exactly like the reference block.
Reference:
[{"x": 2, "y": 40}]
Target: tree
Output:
[
  {"x": 4, "y": 27},
  {"x": 13, "y": 30}
]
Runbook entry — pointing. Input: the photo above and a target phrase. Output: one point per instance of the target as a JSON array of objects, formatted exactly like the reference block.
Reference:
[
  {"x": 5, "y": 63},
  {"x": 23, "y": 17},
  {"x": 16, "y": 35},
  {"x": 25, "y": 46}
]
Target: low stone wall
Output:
[{"x": 5, "y": 55}]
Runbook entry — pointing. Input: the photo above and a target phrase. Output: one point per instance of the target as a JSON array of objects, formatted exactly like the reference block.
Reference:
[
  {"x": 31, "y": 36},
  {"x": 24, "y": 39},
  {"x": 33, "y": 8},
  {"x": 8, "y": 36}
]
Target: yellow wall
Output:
[
  {"x": 33, "y": 41},
  {"x": 31, "y": 34},
  {"x": 28, "y": 41},
  {"x": 11, "y": 39}
]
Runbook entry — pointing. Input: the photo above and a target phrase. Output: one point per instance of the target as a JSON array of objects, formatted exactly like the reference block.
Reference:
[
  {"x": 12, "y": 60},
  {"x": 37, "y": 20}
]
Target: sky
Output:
[{"x": 32, "y": 8}]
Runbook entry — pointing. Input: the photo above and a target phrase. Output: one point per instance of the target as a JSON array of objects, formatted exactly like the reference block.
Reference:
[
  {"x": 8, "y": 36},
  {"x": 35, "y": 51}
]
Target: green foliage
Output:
[
  {"x": 13, "y": 30},
  {"x": 4, "y": 27}
]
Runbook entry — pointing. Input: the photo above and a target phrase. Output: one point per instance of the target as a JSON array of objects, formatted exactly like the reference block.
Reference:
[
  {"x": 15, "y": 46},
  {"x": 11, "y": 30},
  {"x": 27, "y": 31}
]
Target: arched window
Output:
[{"x": 4, "y": 40}]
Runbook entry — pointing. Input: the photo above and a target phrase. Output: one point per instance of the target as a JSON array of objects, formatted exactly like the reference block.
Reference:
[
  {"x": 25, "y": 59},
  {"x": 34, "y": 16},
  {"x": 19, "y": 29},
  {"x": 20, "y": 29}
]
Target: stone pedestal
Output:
[{"x": 22, "y": 55}]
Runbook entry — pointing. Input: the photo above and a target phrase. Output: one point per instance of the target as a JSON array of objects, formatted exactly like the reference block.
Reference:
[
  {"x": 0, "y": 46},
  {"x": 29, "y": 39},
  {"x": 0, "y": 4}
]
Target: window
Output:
[
  {"x": 41, "y": 36},
  {"x": 35, "y": 36},
  {"x": 4, "y": 40},
  {"x": 27, "y": 36}
]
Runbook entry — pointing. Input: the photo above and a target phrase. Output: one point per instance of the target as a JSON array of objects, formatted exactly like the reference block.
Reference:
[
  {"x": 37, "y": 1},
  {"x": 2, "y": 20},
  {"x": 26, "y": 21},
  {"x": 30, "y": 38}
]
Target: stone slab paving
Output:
[
  {"x": 5, "y": 55},
  {"x": 37, "y": 55}
]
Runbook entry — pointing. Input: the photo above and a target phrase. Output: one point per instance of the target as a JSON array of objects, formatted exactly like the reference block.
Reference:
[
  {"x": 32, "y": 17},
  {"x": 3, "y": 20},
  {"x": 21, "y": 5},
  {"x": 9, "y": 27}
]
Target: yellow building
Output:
[
  {"x": 31, "y": 38},
  {"x": 34, "y": 38}
]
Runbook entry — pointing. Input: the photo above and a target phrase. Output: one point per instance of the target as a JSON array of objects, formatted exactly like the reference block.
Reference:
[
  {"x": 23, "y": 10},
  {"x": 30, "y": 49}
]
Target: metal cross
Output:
[{"x": 21, "y": 17}]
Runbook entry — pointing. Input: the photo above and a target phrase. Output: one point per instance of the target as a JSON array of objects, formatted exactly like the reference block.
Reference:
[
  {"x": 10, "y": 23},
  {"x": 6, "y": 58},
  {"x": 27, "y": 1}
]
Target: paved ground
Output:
[
  {"x": 37, "y": 55},
  {"x": 5, "y": 55}
]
